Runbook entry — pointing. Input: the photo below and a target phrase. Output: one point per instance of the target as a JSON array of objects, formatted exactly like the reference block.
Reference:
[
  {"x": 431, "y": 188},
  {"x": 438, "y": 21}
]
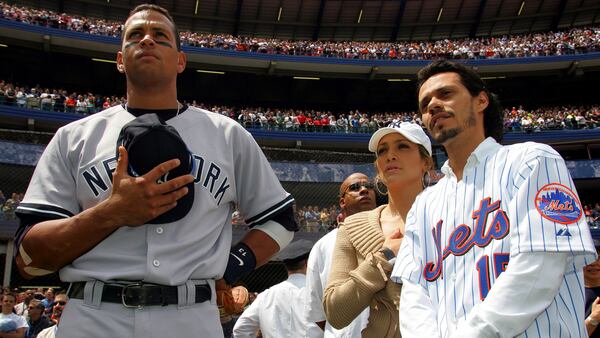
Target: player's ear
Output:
[
  {"x": 482, "y": 101},
  {"x": 181, "y": 62},
  {"x": 120, "y": 66}
]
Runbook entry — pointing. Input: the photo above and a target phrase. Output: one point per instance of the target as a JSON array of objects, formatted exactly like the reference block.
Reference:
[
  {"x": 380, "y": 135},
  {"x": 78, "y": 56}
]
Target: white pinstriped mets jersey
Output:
[
  {"x": 460, "y": 236},
  {"x": 74, "y": 174}
]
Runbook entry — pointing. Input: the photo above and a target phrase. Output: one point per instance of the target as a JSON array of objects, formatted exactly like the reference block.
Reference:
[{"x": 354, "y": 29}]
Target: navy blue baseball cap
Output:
[{"x": 149, "y": 141}]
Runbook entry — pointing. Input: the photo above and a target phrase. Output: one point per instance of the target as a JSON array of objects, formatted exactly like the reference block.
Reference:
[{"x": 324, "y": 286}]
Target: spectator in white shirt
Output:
[
  {"x": 357, "y": 194},
  {"x": 277, "y": 311},
  {"x": 11, "y": 325}
]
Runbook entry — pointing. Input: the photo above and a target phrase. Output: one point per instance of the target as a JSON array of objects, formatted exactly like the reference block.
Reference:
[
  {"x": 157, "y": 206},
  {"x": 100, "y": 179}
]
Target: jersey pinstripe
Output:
[
  {"x": 74, "y": 174},
  {"x": 460, "y": 235}
]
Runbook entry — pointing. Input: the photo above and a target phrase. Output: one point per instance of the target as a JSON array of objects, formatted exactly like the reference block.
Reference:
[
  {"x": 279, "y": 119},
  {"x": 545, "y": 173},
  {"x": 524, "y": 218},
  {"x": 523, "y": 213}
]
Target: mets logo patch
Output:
[{"x": 558, "y": 203}]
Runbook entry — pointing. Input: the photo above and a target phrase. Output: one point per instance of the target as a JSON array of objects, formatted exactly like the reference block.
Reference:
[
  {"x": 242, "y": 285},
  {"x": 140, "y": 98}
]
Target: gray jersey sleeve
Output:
[
  {"x": 52, "y": 188},
  {"x": 260, "y": 196}
]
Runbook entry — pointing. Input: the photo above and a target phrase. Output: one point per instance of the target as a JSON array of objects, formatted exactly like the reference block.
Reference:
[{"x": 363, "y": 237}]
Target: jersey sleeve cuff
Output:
[
  {"x": 270, "y": 212},
  {"x": 42, "y": 210}
]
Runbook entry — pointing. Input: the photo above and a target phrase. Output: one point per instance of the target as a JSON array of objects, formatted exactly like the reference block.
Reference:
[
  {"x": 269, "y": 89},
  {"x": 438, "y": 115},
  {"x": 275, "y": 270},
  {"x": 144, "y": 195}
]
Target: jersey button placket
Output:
[
  {"x": 452, "y": 188},
  {"x": 160, "y": 230},
  {"x": 156, "y": 263}
]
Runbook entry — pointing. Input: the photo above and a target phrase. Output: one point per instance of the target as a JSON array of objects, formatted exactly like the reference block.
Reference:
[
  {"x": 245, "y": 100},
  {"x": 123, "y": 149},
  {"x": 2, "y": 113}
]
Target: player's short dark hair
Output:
[
  {"x": 294, "y": 265},
  {"x": 161, "y": 10},
  {"x": 493, "y": 122},
  {"x": 37, "y": 304}
]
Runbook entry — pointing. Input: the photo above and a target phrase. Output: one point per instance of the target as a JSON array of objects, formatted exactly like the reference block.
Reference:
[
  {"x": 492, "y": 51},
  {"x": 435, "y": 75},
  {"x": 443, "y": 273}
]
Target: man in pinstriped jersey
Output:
[{"x": 496, "y": 248}]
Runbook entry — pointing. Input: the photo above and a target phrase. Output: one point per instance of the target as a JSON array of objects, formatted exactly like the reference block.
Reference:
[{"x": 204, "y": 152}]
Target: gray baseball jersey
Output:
[{"x": 75, "y": 171}]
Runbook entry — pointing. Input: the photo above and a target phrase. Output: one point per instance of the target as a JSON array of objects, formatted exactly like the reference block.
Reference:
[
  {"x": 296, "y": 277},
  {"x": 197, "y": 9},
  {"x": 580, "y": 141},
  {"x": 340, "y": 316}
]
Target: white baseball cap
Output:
[{"x": 412, "y": 131}]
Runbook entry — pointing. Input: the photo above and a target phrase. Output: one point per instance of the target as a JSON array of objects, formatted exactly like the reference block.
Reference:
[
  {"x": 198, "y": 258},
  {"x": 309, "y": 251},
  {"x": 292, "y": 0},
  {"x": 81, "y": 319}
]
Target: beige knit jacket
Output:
[{"x": 360, "y": 277}]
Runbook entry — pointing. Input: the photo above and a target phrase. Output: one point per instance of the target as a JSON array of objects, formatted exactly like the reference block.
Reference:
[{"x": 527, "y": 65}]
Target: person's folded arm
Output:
[
  {"x": 133, "y": 201},
  {"x": 351, "y": 286}
]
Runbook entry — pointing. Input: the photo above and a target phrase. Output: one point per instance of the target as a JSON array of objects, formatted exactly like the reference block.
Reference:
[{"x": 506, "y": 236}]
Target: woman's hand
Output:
[{"x": 393, "y": 241}]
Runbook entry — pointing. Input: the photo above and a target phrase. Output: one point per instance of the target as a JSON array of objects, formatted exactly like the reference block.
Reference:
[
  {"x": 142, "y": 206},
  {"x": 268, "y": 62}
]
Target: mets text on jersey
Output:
[
  {"x": 558, "y": 203},
  {"x": 462, "y": 238}
]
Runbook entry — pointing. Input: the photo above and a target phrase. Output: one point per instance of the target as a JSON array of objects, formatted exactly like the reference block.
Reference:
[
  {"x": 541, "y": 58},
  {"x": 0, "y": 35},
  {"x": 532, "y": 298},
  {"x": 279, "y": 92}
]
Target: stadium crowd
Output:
[
  {"x": 573, "y": 41},
  {"x": 31, "y": 313},
  {"x": 515, "y": 119},
  {"x": 8, "y": 205},
  {"x": 58, "y": 100},
  {"x": 310, "y": 218},
  {"x": 313, "y": 218}
]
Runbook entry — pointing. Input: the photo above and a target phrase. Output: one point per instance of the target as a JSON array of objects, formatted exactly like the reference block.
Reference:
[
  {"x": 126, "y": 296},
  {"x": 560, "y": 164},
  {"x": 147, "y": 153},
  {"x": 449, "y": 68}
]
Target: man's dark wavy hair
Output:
[
  {"x": 493, "y": 121},
  {"x": 161, "y": 10}
]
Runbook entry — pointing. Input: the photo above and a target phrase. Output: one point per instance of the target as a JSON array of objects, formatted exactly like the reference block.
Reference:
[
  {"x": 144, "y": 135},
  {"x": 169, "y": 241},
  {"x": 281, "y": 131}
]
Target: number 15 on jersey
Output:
[{"x": 500, "y": 261}]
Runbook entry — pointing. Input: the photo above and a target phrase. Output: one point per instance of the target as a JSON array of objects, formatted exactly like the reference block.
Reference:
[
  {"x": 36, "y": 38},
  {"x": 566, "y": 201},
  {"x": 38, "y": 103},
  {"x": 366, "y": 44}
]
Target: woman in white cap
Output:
[{"x": 368, "y": 242}]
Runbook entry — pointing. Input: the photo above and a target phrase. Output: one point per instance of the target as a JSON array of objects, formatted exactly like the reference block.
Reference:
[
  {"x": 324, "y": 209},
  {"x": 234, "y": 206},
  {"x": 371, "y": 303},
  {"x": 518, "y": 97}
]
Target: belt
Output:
[{"x": 140, "y": 294}]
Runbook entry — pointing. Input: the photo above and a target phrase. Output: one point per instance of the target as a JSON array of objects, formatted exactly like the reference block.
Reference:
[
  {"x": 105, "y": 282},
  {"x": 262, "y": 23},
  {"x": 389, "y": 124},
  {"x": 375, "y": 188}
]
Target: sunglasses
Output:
[{"x": 356, "y": 186}]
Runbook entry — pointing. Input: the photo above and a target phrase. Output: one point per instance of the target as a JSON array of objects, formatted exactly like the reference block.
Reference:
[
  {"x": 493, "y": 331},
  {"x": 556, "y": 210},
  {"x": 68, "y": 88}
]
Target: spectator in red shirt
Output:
[
  {"x": 325, "y": 122},
  {"x": 317, "y": 123},
  {"x": 392, "y": 54},
  {"x": 70, "y": 104},
  {"x": 106, "y": 103},
  {"x": 310, "y": 124},
  {"x": 302, "y": 121}
]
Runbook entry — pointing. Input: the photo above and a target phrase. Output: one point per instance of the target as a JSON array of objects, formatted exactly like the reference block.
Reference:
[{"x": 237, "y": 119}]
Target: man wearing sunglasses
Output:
[
  {"x": 59, "y": 304},
  {"x": 357, "y": 194},
  {"x": 37, "y": 320}
]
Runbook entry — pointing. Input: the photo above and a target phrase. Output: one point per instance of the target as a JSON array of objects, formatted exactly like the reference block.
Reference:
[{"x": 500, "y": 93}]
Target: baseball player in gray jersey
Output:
[{"x": 86, "y": 215}]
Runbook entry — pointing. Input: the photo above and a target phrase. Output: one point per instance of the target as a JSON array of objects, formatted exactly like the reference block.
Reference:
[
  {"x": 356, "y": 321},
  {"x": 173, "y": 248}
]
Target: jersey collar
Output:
[
  {"x": 484, "y": 149},
  {"x": 165, "y": 114}
]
